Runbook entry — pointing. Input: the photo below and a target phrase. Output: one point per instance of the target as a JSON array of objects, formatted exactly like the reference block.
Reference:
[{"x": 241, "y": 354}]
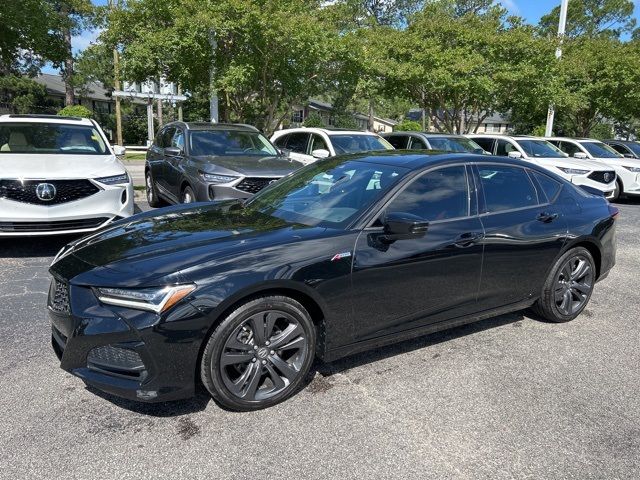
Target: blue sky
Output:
[{"x": 531, "y": 10}]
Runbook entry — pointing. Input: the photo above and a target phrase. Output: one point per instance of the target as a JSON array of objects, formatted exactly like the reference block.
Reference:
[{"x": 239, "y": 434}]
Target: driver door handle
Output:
[
  {"x": 546, "y": 217},
  {"x": 468, "y": 239}
]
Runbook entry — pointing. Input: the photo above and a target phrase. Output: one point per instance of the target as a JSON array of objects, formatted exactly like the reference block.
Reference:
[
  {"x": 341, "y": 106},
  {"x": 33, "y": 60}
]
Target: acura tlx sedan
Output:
[{"x": 345, "y": 254}]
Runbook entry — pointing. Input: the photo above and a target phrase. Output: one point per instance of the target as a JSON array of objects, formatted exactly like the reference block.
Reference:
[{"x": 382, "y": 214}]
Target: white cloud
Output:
[
  {"x": 86, "y": 38},
  {"x": 511, "y": 6}
]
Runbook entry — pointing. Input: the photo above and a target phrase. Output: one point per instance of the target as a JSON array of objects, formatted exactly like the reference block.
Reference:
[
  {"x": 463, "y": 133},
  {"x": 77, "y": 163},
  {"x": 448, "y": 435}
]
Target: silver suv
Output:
[{"x": 191, "y": 162}]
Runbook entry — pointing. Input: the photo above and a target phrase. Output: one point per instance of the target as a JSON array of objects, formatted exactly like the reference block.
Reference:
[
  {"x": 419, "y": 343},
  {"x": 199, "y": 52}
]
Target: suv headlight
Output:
[
  {"x": 214, "y": 178},
  {"x": 114, "y": 179},
  {"x": 152, "y": 299},
  {"x": 632, "y": 169},
  {"x": 573, "y": 171}
]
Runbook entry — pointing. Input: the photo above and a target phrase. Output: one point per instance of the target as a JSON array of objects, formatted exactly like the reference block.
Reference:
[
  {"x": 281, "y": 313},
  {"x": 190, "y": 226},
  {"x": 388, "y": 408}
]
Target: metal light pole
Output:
[
  {"x": 213, "y": 102},
  {"x": 562, "y": 25}
]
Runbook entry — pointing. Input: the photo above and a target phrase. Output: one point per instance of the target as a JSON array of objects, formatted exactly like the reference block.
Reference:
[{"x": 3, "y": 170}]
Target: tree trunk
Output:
[
  {"x": 67, "y": 69},
  {"x": 370, "y": 124}
]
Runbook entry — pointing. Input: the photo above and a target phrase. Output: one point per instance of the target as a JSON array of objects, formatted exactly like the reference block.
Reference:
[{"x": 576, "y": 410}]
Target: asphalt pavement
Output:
[{"x": 509, "y": 397}]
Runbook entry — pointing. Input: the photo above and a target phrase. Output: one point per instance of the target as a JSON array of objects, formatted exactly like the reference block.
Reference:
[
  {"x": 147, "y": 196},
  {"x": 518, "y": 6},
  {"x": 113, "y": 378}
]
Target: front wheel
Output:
[
  {"x": 617, "y": 193},
  {"x": 568, "y": 288},
  {"x": 260, "y": 354},
  {"x": 187, "y": 195}
]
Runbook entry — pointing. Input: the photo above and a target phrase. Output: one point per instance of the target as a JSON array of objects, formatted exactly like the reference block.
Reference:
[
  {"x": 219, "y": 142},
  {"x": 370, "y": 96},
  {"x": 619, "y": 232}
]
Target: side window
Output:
[
  {"x": 549, "y": 186},
  {"x": 167, "y": 136},
  {"x": 297, "y": 142},
  {"x": 438, "y": 195},
  {"x": 485, "y": 143},
  {"x": 418, "y": 144},
  {"x": 399, "y": 142},
  {"x": 569, "y": 148},
  {"x": 280, "y": 142},
  {"x": 178, "y": 139},
  {"x": 619, "y": 148},
  {"x": 506, "y": 188},
  {"x": 317, "y": 143},
  {"x": 504, "y": 147}
]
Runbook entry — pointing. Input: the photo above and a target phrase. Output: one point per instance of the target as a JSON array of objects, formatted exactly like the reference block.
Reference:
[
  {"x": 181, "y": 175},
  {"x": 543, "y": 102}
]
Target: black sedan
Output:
[{"x": 344, "y": 255}]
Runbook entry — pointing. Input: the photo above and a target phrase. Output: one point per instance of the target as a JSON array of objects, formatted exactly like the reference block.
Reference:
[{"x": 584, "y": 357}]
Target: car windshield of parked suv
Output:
[
  {"x": 600, "y": 150},
  {"x": 229, "y": 143},
  {"x": 50, "y": 138},
  {"x": 328, "y": 193},
  {"x": 455, "y": 144},
  {"x": 358, "y": 143},
  {"x": 541, "y": 149}
]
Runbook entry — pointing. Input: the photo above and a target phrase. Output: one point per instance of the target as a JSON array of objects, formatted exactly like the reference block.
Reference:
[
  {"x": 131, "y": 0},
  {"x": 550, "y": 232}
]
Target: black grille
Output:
[
  {"x": 254, "y": 185},
  {"x": 52, "y": 226},
  {"x": 65, "y": 190},
  {"x": 116, "y": 361},
  {"x": 59, "y": 296},
  {"x": 603, "y": 177}
]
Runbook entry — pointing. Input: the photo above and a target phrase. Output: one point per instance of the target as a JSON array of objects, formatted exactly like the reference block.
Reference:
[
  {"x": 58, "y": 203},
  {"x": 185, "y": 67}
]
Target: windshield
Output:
[
  {"x": 328, "y": 193},
  {"x": 455, "y": 144},
  {"x": 541, "y": 149},
  {"x": 600, "y": 150},
  {"x": 358, "y": 143},
  {"x": 47, "y": 138},
  {"x": 228, "y": 143},
  {"x": 635, "y": 147}
]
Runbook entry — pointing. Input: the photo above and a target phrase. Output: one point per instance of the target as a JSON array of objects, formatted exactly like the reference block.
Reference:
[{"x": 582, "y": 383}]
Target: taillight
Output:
[{"x": 614, "y": 212}]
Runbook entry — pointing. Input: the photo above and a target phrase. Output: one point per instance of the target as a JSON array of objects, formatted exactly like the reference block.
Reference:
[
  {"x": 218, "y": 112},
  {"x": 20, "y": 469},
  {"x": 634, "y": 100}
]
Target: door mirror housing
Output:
[
  {"x": 172, "y": 152},
  {"x": 321, "y": 153},
  {"x": 580, "y": 155},
  {"x": 119, "y": 150},
  {"x": 400, "y": 226},
  {"x": 514, "y": 155},
  {"x": 629, "y": 155}
]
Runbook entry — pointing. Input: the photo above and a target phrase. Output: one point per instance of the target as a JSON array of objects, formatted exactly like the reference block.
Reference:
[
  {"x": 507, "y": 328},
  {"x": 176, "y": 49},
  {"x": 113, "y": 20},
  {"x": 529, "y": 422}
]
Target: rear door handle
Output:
[
  {"x": 545, "y": 217},
  {"x": 467, "y": 239}
]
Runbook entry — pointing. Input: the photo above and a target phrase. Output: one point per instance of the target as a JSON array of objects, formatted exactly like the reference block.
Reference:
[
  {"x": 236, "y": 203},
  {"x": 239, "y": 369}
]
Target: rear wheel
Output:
[
  {"x": 260, "y": 354},
  {"x": 568, "y": 288},
  {"x": 153, "y": 198}
]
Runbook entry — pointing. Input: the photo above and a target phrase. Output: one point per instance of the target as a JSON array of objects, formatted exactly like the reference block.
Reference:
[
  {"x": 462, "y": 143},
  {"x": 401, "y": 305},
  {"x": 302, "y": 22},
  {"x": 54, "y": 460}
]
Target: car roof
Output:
[
  {"x": 16, "y": 118},
  {"x": 578, "y": 140},
  {"x": 624, "y": 142},
  {"x": 214, "y": 126},
  {"x": 423, "y": 134},
  {"x": 327, "y": 131},
  {"x": 426, "y": 158}
]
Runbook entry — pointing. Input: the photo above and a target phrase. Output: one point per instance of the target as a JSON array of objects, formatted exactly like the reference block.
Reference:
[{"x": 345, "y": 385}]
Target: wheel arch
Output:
[{"x": 592, "y": 245}]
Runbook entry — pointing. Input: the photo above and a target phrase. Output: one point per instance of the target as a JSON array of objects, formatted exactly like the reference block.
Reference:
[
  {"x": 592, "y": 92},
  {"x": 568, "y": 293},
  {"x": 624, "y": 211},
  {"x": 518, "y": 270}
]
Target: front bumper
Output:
[
  {"x": 128, "y": 353},
  {"x": 85, "y": 215},
  {"x": 238, "y": 189},
  {"x": 607, "y": 189}
]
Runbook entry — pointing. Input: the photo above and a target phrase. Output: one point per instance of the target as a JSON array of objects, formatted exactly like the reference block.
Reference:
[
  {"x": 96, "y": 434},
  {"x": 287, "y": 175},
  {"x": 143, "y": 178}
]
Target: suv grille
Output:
[
  {"x": 59, "y": 296},
  {"x": 603, "y": 177},
  {"x": 65, "y": 190},
  {"x": 255, "y": 184},
  {"x": 52, "y": 226}
]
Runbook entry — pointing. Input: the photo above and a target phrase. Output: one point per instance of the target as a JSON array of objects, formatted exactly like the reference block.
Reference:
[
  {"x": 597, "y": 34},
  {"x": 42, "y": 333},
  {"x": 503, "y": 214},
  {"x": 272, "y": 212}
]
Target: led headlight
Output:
[
  {"x": 114, "y": 179},
  {"x": 632, "y": 169},
  {"x": 573, "y": 171},
  {"x": 153, "y": 299},
  {"x": 213, "y": 178}
]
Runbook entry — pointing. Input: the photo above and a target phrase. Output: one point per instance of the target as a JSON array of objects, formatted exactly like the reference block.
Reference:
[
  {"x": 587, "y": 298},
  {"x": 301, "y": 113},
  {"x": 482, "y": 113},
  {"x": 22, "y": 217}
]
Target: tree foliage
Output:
[{"x": 75, "y": 111}]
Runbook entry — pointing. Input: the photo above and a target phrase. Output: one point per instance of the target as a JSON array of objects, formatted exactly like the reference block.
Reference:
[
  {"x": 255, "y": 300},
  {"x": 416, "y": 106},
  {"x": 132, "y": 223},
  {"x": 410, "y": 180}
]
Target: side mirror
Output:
[
  {"x": 119, "y": 150},
  {"x": 401, "y": 226},
  {"x": 172, "y": 152},
  {"x": 514, "y": 155},
  {"x": 321, "y": 153},
  {"x": 479, "y": 151},
  {"x": 580, "y": 155},
  {"x": 285, "y": 152},
  {"x": 629, "y": 155}
]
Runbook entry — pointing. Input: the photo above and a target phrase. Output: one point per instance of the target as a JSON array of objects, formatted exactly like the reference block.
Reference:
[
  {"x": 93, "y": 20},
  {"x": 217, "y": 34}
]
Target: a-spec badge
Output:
[{"x": 340, "y": 256}]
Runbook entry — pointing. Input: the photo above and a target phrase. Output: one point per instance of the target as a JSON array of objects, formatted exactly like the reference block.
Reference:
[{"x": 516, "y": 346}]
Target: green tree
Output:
[
  {"x": 76, "y": 111},
  {"x": 408, "y": 126},
  {"x": 24, "y": 95},
  {"x": 314, "y": 120}
]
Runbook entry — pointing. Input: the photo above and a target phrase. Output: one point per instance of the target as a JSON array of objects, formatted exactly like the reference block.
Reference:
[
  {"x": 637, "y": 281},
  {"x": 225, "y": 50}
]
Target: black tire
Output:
[
  {"x": 187, "y": 195},
  {"x": 618, "y": 192},
  {"x": 236, "y": 357},
  {"x": 568, "y": 288},
  {"x": 153, "y": 198}
]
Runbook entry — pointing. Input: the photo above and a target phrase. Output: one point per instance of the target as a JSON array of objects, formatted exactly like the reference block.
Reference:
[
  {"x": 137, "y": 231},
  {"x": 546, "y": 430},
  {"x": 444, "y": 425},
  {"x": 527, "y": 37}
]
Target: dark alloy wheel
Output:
[
  {"x": 260, "y": 354},
  {"x": 152, "y": 194},
  {"x": 568, "y": 289}
]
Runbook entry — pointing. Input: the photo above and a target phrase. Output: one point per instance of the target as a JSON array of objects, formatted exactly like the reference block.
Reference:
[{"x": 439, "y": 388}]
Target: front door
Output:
[{"x": 411, "y": 282}]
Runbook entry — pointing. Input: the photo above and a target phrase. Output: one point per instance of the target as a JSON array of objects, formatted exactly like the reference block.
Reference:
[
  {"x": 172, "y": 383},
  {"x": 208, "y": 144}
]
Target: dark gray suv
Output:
[{"x": 190, "y": 162}]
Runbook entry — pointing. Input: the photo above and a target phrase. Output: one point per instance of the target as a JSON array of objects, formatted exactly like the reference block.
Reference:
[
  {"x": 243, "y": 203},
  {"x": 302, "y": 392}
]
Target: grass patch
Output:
[
  {"x": 135, "y": 155},
  {"x": 139, "y": 188}
]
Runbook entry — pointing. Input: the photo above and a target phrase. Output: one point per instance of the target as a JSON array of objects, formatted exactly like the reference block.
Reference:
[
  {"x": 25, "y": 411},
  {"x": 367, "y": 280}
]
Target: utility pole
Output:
[
  {"x": 179, "y": 104},
  {"x": 213, "y": 102},
  {"x": 562, "y": 25},
  {"x": 115, "y": 4}
]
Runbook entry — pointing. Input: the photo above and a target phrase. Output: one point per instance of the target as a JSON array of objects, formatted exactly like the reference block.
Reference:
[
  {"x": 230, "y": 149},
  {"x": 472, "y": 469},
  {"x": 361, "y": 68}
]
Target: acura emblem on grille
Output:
[
  {"x": 607, "y": 177},
  {"x": 45, "y": 192}
]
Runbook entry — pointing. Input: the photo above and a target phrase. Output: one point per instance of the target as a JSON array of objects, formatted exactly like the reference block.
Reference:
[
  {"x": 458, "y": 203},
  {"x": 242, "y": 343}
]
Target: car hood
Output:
[
  {"x": 570, "y": 163},
  {"x": 58, "y": 166},
  {"x": 156, "y": 247},
  {"x": 249, "y": 165}
]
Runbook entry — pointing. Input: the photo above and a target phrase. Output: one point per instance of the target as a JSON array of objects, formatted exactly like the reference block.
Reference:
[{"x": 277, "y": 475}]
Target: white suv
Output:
[
  {"x": 59, "y": 175},
  {"x": 597, "y": 152},
  {"x": 537, "y": 150},
  {"x": 307, "y": 145}
]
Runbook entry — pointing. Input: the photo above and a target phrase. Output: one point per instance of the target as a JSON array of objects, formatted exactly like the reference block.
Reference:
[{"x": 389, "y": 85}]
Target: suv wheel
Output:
[
  {"x": 617, "y": 193},
  {"x": 568, "y": 288},
  {"x": 153, "y": 198},
  {"x": 187, "y": 195},
  {"x": 260, "y": 354}
]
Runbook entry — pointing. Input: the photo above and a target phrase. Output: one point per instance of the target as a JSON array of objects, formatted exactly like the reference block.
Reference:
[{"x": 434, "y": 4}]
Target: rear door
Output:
[
  {"x": 297, "y": 143},
  {"x": 162, "y": 171},
  {"x": 418, "y": 144},
  {"x": 175, "y": 165},
  {"x": 399, "y": 142},
  {"x": 487, "y": 144},
  {"x": 524, "y": 230}
]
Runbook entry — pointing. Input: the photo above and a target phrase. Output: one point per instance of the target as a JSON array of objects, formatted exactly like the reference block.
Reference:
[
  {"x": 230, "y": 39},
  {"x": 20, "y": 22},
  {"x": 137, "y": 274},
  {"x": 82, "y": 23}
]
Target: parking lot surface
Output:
[{"x": 509, "y": 397}]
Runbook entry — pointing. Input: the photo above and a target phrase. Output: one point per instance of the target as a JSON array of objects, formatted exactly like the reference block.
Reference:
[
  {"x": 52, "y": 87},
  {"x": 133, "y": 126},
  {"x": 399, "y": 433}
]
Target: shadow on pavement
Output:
[{"x": 22, "y": 247}]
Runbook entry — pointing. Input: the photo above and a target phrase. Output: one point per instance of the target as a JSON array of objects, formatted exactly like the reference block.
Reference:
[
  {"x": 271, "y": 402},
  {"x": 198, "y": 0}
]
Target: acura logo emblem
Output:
[
  {"x": 45, "y": 192},
  {"x": 607, "y": 177}
]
